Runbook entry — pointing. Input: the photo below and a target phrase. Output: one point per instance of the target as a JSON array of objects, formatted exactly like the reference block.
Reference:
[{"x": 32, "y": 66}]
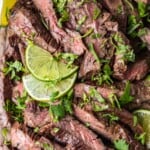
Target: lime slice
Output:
[
  {"x": 44, "y": 66},
  {"x": 42, "y": 91},
  {"x": 144, "y": 120},
  {"x": 5, "y": 6}
]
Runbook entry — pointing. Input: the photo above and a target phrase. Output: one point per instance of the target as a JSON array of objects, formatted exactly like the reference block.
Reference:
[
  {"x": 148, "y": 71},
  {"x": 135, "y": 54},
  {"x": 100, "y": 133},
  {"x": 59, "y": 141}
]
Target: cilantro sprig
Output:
[
  {"x": 121, "y": 145},
  {"x": 13, "y": 68}
]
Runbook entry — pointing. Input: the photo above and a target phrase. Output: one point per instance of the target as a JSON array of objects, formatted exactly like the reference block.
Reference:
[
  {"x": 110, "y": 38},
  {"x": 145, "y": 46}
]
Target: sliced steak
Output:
[
  {"x": 25, "y": 23},
  {"x": 104, "y": 91},
  {"x": 127, "y": 118},
  {"x": 65, "y": 138},
  {"x": 138, "y": 70},
  {"x": 70, "y": 39},
  {"x": 89, "y": 66},
  {"x": 21, "y": 140},
  {"x": 35, "y": 117},
  {"x": 82, "y": 132},
  {"x": 117, "y": 9},
  {"x": 68, "y": 124},
  {"x": 140, "y": 90},
  {"x": 97, "y": 125}
]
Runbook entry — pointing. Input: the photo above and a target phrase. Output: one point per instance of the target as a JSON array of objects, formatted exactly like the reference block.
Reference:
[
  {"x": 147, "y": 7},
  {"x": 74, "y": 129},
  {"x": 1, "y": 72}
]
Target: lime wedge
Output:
[
  {"x": 42, "y": 91},
  {"x": 44, "y": 66},
  {"x": 5, "y": 6},
  {"x": 144, "y": 120}
]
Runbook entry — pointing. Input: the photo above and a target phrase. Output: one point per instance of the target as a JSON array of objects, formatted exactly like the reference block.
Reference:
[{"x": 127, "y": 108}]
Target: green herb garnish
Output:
[
  {"x": 126, "y": 96},
  {"x": 121, "y": 145},
  {"x": 13, "y": 68}
]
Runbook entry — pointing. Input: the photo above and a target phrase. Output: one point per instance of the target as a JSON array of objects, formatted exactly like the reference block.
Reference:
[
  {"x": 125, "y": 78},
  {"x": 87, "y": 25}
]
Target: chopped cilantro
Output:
[
  {"x": 142, "y": 32},
  {"x": 86, "y": 100},
  {"x": 55, "y": 130},
  {"x": 114, "y": 100},
  {"x": 96, "y": 14},
  {"x": 60, "y": 6},
  {"x": 94, "y": 94},
  {"x": 111, "y": 117},
  {"x": 104, "y": 76},
  {"x": 47, "y": 146},
  {"x": 36, "y": 130},
  {"x": 123, "y": 49},
  {"x": 15, "y": 110},
  {"x": 126, "y": 97},
  {"x": 68, "y": 57},
  {"x": 141, "y": 138},
  {"x": 92, "y": 50},
  {"x": 82, "y": 20},
  {"x": 121, "y": 145},
  {"x": 4, "y": 133},
  {"x": 13, "y": 68},
  {"x": 120, "y": 9},
  {"x": 133, "y": 25},
  {"x": 142, "y": 9},
  {"x": 87, "y": 33},
  {"x": 59, "y": 109},
  {"x": 98, "y": 108},
  {"x": 96, "y": 35}
]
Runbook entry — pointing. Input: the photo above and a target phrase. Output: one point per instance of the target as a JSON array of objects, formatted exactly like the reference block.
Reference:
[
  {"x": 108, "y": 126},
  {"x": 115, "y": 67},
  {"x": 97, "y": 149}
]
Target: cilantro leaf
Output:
[
  {"x": 13, "y": 68},
  {"x": 60, "y": 6},
  {"x": 94, "y": 94},
  {"x": 121, "y": 145},
  {"x": 96, "y": 14},
  {"x": 142, "y": 9},
  {"x": 126, "y": 97},
  {"x": 15, "y": 110},
  {"x": 141, "y": 137},
  {"x": 111, "y": 117},
  {"x": 57, "y": 111}
]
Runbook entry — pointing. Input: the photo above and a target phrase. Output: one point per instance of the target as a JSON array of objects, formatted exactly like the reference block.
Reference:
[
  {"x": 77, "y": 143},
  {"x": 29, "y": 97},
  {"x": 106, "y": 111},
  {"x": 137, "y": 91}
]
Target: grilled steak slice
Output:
[
  {"x": 80, "y": 131},
  {"x": 65, "y": 138},
  {"x": 117, "y": 9},
  {"x": 25, "y": 23},
  {"x": 70, "y": 39},
  {"x": 68, "y": 124},
  {"x": 25, "y": 140},
  {"x": 35, "y": 117},
  {"x": 139, "y": 90},
  {"x": 21, "y": 140},
  {"x": 104, "y": 91},
  {"x": 127, "y": 118},
  {"x": 138, "y": 70},
  {"x": 96, "y": 125},
  {"x": 89, "y": 66}
]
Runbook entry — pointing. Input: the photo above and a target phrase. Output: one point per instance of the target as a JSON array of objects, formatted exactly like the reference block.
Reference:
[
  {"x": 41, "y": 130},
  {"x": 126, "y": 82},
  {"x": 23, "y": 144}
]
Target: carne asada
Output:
[{"x": 74, "y": 75}]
